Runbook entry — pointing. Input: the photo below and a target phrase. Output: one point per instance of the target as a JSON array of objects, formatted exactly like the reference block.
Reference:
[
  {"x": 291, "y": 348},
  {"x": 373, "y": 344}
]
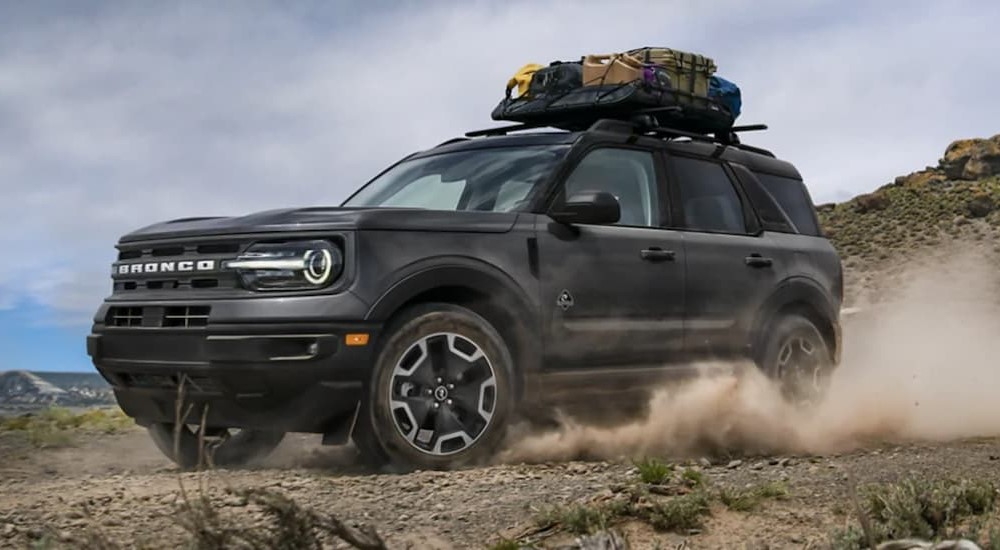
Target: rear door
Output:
[
  {"x": 731, "y": 265},
  {"x": 613, "y": 295}
]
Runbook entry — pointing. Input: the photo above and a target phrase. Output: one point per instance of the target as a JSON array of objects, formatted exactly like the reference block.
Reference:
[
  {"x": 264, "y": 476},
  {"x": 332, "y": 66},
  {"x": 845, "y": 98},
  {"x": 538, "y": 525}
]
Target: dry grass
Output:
[
  {"x": 665, "y": 499},
  {"x": 927, "y": 510},
  {"x": 749, "y": 499},
  {"x": 59, "y": 427}
]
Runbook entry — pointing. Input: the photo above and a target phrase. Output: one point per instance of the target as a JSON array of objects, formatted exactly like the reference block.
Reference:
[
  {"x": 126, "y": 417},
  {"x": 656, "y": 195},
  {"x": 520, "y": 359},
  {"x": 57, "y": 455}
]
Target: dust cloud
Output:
[{"x": 921, "y": 365}]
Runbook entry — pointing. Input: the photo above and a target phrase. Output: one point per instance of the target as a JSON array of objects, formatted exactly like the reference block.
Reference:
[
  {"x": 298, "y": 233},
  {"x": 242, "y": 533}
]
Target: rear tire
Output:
[
  {"x": 441, "y": 391},
  {"x": 222, "y": 447},
  {"x": 797, "y": 358}
]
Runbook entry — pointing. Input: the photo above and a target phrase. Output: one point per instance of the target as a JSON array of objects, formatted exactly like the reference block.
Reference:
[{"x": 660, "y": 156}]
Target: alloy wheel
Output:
[
  {"x": 442, "y": 393},
  {"x": 801, "y": 369}
]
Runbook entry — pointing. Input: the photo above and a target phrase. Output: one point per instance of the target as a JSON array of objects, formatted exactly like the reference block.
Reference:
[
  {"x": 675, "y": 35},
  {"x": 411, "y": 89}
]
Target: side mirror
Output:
[{"x": 594, "y": 207}]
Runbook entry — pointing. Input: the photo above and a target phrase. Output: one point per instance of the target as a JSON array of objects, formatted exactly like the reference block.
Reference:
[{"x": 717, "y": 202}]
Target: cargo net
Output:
[{"x": 667, "y": 89}]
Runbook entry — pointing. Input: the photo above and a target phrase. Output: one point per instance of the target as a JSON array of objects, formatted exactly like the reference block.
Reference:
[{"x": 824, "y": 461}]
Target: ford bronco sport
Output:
[{"x": 466, "y": 283}]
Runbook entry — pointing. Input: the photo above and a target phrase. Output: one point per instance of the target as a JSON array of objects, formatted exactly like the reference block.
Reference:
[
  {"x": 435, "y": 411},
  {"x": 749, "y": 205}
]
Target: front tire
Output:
[
  {"x": 441, "y": 391},
  {"x": 797, "y": 358},
  {"x": 222, "y": 447}
]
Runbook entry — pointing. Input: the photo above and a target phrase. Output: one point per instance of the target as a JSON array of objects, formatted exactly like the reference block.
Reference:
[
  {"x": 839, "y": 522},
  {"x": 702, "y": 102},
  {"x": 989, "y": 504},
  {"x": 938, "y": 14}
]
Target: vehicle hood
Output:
[{"x": 329, "y": 218}]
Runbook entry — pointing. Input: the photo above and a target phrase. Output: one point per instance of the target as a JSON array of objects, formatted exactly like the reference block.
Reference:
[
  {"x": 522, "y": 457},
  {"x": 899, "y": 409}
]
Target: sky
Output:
[{"x": 117, "y": 115}]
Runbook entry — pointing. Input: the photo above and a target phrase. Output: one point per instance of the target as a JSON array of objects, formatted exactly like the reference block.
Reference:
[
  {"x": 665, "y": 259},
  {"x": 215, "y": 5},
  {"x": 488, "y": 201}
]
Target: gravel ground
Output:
[{"x": 119, "y": 485}]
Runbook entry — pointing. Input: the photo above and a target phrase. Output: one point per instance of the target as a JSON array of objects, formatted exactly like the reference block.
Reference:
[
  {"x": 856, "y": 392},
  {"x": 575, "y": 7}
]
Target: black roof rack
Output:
[{"x": 639, "y": 125}]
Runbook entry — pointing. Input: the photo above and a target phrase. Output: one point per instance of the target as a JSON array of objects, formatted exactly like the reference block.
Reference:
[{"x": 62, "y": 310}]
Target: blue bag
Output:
[{"x": 727, "y": 93}]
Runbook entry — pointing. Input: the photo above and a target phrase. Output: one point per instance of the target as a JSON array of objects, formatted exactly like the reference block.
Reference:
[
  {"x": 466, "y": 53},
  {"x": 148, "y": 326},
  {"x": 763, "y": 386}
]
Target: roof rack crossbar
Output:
[
  {"x": 748, "y": 128},
  {"x": 728, "y": 137},
  {"x": 503, "y": 130}
]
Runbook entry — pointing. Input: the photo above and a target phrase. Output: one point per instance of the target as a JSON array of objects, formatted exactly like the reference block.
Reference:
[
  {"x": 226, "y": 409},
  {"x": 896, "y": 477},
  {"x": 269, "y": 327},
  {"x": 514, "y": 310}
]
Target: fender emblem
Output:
[{"x": 565, "y": 300}]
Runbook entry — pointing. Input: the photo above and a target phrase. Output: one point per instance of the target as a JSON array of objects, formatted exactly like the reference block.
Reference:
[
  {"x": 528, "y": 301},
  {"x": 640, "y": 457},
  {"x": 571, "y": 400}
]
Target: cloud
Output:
[{"x": 113, "y": 119}]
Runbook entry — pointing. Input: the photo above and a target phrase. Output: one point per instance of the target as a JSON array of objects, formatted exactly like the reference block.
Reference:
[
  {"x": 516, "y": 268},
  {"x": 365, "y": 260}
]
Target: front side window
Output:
[
  {"x": 628, "y": 174},
  {"x": 501, "y": 179},
  {"x": 708, "y": 197}
]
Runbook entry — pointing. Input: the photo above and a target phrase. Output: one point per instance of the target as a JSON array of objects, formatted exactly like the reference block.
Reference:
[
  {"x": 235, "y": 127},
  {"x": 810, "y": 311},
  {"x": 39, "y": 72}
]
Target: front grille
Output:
[
  {"x": 125, "y": 317},
  {"x": 158, "y": 317},
  {"x": 158, "y": 268},
  {"x": 186, "y": 316}
]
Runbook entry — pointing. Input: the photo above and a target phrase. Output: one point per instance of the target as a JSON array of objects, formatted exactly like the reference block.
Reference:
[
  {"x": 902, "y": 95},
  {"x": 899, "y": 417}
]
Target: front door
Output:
[{"x": 613, "y": 295}]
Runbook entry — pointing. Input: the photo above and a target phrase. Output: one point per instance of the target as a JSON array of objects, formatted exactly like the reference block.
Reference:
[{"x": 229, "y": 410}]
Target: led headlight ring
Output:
[{"x": 318, "y": 265}]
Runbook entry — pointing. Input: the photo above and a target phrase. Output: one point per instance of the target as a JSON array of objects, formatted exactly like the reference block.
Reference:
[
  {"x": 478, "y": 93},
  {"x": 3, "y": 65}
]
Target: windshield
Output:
[{"x": 494, "y": 179}]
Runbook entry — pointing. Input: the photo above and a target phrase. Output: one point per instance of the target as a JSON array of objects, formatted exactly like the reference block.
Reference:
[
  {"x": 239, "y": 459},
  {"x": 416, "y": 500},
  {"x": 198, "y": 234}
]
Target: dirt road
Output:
[{"x": 119, "y": 485}]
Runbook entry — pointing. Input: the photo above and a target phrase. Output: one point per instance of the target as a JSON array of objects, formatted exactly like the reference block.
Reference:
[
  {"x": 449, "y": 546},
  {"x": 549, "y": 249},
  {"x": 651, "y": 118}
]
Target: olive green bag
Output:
[{"x": 689, "y": 72}]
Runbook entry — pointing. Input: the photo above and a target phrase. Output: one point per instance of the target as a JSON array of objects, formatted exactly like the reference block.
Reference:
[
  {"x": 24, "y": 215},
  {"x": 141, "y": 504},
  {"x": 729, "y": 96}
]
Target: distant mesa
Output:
[{"x": 24, "y": 390}]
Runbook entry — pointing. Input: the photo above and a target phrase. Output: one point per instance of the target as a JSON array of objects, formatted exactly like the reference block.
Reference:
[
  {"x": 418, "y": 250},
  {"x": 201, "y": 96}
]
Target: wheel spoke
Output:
[
  {"x": 439, "y": 356},
  {"x": 461, "y": 361},
  {"x": 445, "y": 422},
  {"x": 449, "y": 428},
  {"x": 466, "y": 397}
]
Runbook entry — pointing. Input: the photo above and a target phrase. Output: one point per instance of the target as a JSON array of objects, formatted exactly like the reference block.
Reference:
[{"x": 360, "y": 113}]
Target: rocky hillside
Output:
[
  {"x": 23, "y": 390},
  {"x": 955, "y": 201}
]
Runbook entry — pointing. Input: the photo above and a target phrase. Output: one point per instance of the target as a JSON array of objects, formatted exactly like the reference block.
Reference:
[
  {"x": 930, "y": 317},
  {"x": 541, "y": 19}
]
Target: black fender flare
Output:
[
  {"x": 806, "y": 296},
  {"x": 476, "y": 275}
]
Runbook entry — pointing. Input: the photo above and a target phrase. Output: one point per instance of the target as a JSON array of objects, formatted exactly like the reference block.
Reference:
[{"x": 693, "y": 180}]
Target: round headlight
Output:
[{"x": 319, "y": 264}]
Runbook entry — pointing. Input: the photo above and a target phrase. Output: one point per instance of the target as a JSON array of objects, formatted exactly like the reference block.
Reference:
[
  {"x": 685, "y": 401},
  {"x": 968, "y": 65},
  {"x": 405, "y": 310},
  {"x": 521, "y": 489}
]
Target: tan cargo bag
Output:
[
  {"x": 689, "y": 72},
  {"x": 617, "y": 68}
]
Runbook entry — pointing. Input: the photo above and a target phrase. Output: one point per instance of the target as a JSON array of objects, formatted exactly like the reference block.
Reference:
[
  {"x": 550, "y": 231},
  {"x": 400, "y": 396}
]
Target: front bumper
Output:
[{"x": 290, "y": 376}]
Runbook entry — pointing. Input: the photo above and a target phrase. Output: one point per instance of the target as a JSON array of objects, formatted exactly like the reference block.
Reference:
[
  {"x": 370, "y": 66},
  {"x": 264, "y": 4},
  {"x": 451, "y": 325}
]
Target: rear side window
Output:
[
  {"x": 707, "y": 196},
  {"x": 794, "y": 199},
  {"x": 772, "y": 216}
]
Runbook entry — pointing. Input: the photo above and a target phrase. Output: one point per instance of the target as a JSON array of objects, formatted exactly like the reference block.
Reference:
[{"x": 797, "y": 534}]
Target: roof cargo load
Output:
[{"x": 678, "y": 89}]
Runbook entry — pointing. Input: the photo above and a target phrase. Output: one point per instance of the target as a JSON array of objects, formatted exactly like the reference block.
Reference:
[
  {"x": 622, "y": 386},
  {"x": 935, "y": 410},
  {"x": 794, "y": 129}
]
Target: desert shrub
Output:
[
  {"x": 680, "y": 514},
  {"x": 579, "y": 519},
  {"x": 693, "y": 478},
  {"x": 652, "y": 470},
  {"x": 749, "y": 499},
  {"x": 928, "y": 510}
]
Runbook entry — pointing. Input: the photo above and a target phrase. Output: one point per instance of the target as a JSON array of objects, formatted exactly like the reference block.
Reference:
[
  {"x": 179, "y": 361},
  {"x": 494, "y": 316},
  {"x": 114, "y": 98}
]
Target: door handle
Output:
[
  {"x": 657, "y": 254},
  {"x": 756, "y": 260}
]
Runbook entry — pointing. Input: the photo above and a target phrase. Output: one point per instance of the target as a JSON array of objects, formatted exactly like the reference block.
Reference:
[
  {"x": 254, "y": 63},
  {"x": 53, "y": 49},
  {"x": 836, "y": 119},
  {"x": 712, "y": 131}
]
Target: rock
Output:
[
  {"x": 234, "y": 502},
  {"x": 972, "y": 159},
  {"x": 916, "y": 544},
  {"x": 784, "y": 462},
  {"x": 704, "y": 462},
  {"x": 923, "y": 178},
  {"x": 8, "y": 530},
  {"x": 870, "y": 202},
  {"x": 980, "y": 206},
  {"x": 602, "y": 540},
  {"x": 734, "y": 464}
]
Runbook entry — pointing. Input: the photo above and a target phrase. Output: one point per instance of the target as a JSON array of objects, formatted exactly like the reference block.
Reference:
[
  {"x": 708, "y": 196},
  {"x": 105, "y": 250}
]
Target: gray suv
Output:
[{"x": 465, "y": 286}]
